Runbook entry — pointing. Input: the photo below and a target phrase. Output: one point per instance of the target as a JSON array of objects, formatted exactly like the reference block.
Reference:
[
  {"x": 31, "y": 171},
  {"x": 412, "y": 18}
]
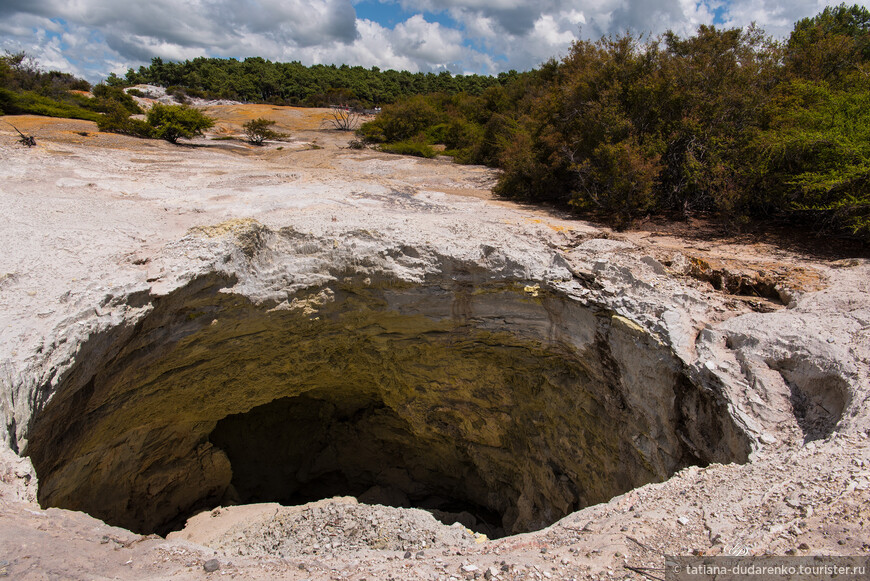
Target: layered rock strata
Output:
[{"x": 471, "y": 390}]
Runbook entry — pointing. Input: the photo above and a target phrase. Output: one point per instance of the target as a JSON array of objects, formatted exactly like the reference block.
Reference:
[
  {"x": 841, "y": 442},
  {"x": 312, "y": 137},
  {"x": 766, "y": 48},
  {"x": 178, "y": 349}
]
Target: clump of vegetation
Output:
[
  {"x": 259, "y": 130},
  {"x": 20, "y": 72},
  {"x": 117, "y": 120},
  {"x": 404, "y": 120},
  {"x": 415, "y": 148},
  {"x": 178, "y": 93},
  {"x": 27, "y": 89},
  {"x": 173, "y": 122},
  {"x": 109, "y": 98},
  {"x": 31, "y": 103}
]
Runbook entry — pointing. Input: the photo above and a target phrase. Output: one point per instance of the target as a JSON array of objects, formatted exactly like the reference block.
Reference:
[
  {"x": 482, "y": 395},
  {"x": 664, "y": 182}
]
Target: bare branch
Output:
[
  {"x": 27, "y": 140},
  {"x": 343, "y": 119}
]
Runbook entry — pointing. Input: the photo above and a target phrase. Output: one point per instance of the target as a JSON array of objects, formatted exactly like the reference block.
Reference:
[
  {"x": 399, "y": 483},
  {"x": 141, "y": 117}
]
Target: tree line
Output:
[
  {"x": 726, "y": 122},
  {"x": 262, "y": 81}
]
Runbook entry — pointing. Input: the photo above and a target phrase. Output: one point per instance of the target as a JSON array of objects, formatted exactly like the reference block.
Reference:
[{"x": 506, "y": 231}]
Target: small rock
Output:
[
  {"x": 793, "y": 502},
  {"x": 469, "y": 568},
  {"x": 656, "y": 266},
  {"x": 767, "y": 439},
  {"x": 683, "y": 520},
  {"x": 211, "y": 565},
  {"x": 407, "y": 554},
  {"x": 804, "y": 547},
  {"x": 490, "y": 573}
]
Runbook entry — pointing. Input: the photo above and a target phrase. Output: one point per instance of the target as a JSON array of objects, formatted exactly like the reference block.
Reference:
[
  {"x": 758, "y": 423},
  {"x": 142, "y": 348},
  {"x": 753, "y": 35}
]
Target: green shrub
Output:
[
  {"x": 617, "y": 182},
  {"x": 178, "y": 93},
  {"x": 437, "y": 133},
  {"x": 172, "y": 122},
  {"x": 460, "y": 133},
  {"x": 415, "y": 148},
  {"x": 106, "y": 95},
  {"x": 371, "y": 132},
  {"x": 403, "y": 120},
  {"x": 814, "y": 159},
  {"x": 259, "y": 130},
  {"x": 7, "y": 101},
  {"x": 117, "y": 120}
]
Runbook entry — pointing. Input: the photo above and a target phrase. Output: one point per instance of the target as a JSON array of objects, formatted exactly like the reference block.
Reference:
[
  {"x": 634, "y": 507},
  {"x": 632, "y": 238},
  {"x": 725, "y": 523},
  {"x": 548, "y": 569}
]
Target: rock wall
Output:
[{"x": 470, "y": 388}]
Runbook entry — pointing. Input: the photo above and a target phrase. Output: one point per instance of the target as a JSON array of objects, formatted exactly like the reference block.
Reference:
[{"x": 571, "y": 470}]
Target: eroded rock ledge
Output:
[{"x": 471, "y": 391}]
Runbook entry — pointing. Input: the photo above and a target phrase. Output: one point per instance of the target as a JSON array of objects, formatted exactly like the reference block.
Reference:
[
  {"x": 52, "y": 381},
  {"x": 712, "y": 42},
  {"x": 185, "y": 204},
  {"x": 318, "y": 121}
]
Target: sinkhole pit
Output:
[{"x": 484, "y": 403}]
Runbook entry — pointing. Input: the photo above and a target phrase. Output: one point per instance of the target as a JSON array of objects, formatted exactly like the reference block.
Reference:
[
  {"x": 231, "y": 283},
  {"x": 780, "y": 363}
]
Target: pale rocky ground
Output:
[{"x": 90, "y": 217}]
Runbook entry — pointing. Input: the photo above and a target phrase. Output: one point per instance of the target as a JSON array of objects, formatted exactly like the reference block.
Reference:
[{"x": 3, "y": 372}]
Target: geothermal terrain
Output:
[{"x": 305, "y": 361}]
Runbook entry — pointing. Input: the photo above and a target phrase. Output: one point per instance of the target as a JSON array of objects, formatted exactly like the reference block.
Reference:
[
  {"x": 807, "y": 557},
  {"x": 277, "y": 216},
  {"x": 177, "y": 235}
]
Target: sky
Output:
[{"x": 91, "y": 38}]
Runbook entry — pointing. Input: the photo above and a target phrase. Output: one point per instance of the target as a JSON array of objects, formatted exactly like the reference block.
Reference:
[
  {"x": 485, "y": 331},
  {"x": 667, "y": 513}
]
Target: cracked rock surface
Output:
[{"x": 499, "y": 365}]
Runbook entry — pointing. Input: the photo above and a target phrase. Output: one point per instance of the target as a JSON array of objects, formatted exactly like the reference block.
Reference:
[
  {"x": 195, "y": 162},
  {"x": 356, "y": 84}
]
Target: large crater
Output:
[{"x": 497, "y": 404}]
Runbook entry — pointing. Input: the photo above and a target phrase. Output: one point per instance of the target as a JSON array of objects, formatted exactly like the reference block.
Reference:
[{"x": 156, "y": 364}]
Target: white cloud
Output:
[
  {"x": 575, "y": 17},
  {"x": 183, "y": 27},
  {"x": 548, "y": 31},
  {"x": 427, "y": 42},
  {"x": 373, "y": 47},
  {"x": 777, "y": 18}
]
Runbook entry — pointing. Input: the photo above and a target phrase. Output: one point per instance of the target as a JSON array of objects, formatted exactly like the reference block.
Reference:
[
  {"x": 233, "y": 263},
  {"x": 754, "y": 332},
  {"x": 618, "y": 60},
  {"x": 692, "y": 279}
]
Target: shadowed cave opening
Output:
[
  {"x": 482, "y": 403},
  {"x": 302, "y": 449}
]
